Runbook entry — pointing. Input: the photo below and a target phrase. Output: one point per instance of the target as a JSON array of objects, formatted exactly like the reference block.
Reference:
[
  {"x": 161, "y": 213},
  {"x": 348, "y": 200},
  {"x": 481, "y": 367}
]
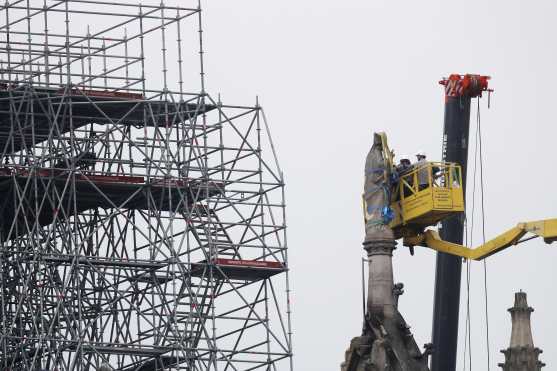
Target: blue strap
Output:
[{"x": 371, "y": 208}]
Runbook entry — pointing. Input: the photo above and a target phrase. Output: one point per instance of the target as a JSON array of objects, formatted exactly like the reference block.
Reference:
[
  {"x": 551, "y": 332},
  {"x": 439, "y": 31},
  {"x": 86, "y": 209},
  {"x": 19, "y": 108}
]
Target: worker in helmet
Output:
[
  {"x": 423, "y": 178},
  {"x": 403, "y": 164},
  {"x": 421, "y": 156}
]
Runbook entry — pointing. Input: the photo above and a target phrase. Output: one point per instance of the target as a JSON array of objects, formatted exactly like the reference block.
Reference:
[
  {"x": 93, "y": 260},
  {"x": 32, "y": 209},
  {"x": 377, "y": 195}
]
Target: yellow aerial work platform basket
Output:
[{"x": 424, "y": 195}]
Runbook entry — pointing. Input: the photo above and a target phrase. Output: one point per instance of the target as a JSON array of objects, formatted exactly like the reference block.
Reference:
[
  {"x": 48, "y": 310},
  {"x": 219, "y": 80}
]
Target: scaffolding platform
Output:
[
  {"x": 91, "y": 191},
  {"x": 28, "y": 116},
  {"x": 245, "y": 270},
  {"x": 141, "y": 265},
  {"x": 140, "y": 351},
  {"x": 156, "y": 364},
  {"x": 155, "y": 358}
]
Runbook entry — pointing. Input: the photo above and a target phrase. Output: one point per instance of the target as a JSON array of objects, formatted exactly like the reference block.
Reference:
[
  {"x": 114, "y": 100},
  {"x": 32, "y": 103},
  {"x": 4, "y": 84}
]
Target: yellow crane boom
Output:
[{"x": 547, "y": 229}]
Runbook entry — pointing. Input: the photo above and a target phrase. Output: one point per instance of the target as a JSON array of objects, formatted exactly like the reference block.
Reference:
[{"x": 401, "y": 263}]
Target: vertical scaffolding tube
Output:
[{"x": 459, "y": 91}]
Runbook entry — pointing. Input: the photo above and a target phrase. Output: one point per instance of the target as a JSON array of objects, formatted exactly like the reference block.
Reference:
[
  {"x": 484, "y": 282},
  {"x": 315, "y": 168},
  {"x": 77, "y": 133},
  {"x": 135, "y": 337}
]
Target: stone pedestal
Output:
[
  {"x": 386, "y": 343},
  {"x": 380, "y": 299}
]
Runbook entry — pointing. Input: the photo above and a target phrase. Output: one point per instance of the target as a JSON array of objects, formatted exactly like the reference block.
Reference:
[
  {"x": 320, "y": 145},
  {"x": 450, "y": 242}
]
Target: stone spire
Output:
[
  {"x": 521, "y": 355},
  {"x": 386, "y": 343}
]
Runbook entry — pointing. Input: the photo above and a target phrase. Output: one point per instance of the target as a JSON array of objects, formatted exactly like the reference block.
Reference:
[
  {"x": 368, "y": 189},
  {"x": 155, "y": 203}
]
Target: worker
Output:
[
  {"x": 423, "y": 178},
  {"x": 402, "y": 168},
  {"x": 403, "y": 164}
]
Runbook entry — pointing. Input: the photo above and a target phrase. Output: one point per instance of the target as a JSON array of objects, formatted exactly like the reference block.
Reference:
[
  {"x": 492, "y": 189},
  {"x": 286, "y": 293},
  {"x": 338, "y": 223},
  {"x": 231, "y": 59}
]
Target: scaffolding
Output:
[{"x": 142, "y": 221}]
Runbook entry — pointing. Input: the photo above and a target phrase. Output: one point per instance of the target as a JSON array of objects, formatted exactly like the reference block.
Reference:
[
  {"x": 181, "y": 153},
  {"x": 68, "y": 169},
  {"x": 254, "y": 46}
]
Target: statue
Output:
[{"x": 377, "y": 189}]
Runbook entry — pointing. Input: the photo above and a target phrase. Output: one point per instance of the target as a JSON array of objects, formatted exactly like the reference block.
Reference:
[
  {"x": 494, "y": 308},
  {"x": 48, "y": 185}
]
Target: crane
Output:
[{"x": 431, "y": 193}]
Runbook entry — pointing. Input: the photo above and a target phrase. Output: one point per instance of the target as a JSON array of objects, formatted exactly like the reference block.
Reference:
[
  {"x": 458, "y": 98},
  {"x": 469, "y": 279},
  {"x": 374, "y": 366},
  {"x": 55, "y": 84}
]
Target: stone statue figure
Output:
[{"x": 376, "y": 190}]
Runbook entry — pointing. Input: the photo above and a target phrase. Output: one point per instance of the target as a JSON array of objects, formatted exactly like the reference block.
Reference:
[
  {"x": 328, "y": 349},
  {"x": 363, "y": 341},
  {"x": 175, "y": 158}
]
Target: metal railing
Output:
[{"x": 423, "y": 176}]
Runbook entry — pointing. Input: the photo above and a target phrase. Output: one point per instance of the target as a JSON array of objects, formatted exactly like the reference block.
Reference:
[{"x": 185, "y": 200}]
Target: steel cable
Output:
[
  {"x": 479, "y": 139},
  {"x": 478, "y": 155}
]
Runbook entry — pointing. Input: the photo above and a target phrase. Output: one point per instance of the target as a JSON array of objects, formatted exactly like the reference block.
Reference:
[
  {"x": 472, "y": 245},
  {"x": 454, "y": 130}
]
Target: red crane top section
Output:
[{"x": 465, "y": 85}]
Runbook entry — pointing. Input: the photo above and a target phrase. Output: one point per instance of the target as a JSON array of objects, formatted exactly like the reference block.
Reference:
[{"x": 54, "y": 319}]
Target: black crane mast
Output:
[{"x": 459, "y": 91}]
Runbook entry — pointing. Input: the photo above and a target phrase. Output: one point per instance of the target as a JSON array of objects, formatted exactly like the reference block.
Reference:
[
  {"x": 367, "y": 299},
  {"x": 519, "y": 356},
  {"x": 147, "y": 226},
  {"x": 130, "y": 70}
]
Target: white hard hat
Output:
[
  {"x": 404, "y": 157},
  {"x": 420, "y": 153}
]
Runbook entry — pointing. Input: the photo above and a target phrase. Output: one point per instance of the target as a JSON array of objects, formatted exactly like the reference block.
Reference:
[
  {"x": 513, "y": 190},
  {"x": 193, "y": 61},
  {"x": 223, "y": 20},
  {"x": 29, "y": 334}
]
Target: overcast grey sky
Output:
[{"x": 328, "y": 74}]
